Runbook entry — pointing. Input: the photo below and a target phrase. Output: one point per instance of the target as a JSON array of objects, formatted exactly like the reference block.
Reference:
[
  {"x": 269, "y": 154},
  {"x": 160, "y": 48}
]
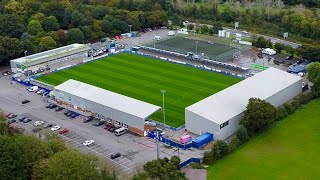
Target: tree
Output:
[
  {"x": 66, "y": 164},
  {"x": 279, "y": 47},
  {"x": 50, "y": 24},
  {"x": 11, "y": 25},
  {"x": 314, "y": 76},
  {"x": 47, "y": 43},
  {"x": 216, "y": 27},
  {"x": 311, "y": 53},
  {"x": 141, "y": 176},
  {"x": 11, "y": 161},
  {"x": 190, "y": 26},
  {"x": 119, "y": 26},
  {"x": 235, "y": 142},
  {"x": 75, "y": 35},
  {"x": 242, "y": 135},
  {"x": 162, "y": 169},
  {"x": 10, "y": 48},
  {"x": 204, "y": 29},
  {"x": 258, "y": 115},
  {"x": 14, "y": 7},
  {"x": 34, "y": 27},
  {"x": 220, "y": 149},
  {"x": 106, "y": 26},
  {"x": 261, "y": 42}
]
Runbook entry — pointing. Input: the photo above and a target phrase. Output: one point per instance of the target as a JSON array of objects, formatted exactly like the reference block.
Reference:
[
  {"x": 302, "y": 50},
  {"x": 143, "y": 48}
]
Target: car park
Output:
[
  {"x": 115, "y": 155},
  {"x": 87, "y": 119},
  {"x": 38, "y": 123},
  {"x": 100, "y": 123},
  {"x": 25, "y": 101},
  {"x": 55, "y": 128},
  {"x": 47, "y": 125},
  {"x": 64, "y": 131},
  {"x": 27, "y": 120},
  {"x": 59, "y": 108},
  {"x": 88, "y": 142}
]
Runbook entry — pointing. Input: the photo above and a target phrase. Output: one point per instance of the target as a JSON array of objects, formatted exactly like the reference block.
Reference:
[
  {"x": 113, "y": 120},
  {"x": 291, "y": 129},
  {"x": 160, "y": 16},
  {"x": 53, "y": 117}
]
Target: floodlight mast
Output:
[{"x": 163, "y": 91}]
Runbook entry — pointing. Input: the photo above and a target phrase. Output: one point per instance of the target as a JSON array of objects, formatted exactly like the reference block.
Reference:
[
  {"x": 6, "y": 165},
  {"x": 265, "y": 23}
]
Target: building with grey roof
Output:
[
  {"x": 220, "y": 113},
  {"x": 105, "y": 105},
  {"x": 69, "y": 52}
]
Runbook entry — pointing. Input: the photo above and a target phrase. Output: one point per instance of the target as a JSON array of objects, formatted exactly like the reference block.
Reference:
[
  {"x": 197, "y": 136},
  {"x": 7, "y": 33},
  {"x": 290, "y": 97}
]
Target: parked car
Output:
[
  {"x": 115, "y": 155},
  {"x": 87, "y": 119},
  {"x": 40, "y": 91},
  {"x": 27, "y": 120},
  {"x": 112, "y": 129},
  {"x": 25, "y": 101},
  {"x": 66, "y": 112},
  {"x": 59, "y": 108},
  {"x": 69, "y": 113},
  {"x": 49, "y": 105},
  {"x": 55, "y": 128},
  {"x": 74, "y": 115},
  {"x": 10, "y": 121},
  {"x": 108, "y": 127},
  {"x": 88, "y": 142},
  {"x": 11, "y": 115},
  {"x": 45, "y": 93},
  {"x": 64, "y": 131},
  {"x": 38, "y": 123},
  {"x": 7, "y": 115},
  {"x": 52, "y": 106},
  {"x": 47, "y": 125},
  {"x": 22, "y": 118},
  {"x": 100, "y": 123},
  {"x": 289, "y": 57}
]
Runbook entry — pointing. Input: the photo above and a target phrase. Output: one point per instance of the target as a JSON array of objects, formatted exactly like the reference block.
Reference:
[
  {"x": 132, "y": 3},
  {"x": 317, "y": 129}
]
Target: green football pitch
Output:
[
  {"x": 142, "y": 78},
  {"x": 179, "y": 44},
  {"x": 288, "y": 150}
]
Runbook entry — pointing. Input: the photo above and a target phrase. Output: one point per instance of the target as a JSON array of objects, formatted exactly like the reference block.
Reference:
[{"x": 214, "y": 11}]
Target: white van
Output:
[
  {"x": 157, "y": 38},
  {"x": 120, "y": 131},
  {"x": 170, "y": 33},
  {"x": 269, "y": 51}
]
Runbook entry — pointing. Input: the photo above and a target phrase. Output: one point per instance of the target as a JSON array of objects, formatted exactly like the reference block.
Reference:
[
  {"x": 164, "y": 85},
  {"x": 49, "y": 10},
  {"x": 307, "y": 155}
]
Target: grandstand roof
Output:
[
  {"x": 226, "y": 104},
  {"x": 51, "y": 53},
  {"x": 107, "y": 98}
]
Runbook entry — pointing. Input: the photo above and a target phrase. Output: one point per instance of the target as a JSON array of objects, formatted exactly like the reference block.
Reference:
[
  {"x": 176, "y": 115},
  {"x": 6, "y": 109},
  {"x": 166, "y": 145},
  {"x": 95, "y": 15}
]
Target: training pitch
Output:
[
  {"x": 288, "y": 150},
  {"x": 179, "y": 44},
  {"x": 142, "y": 78}
]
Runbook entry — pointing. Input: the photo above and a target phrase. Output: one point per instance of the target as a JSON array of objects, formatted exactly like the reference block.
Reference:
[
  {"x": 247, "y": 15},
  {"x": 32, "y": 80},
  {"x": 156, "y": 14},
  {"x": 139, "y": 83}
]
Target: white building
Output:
[
  {"x": 105, "y": 105},
  {"x": 220, "y": 114},
  {"x": 42, "y": 59}
]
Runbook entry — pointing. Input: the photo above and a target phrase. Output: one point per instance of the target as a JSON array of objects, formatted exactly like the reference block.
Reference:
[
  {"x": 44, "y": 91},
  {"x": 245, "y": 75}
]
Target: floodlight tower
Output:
[{"x": 163, "y": 110}]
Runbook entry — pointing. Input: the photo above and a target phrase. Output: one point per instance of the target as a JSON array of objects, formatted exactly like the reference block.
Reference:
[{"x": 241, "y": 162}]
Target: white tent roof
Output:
[
  {"x": 228, "y": 103},
  {"x": 107, "y": 98}
]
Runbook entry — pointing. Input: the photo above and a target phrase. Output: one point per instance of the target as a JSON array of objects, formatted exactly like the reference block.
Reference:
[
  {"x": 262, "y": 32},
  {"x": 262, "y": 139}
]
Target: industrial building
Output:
[
  {"x": 104, "y": 105},
  {"x": 220, "y": 114},
  {"x": 44, "y": 59}
]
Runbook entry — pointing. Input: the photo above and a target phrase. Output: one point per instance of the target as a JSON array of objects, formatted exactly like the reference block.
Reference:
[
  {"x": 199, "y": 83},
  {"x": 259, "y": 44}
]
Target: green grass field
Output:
[
  {"x": 289, "y": 150},
  {"x": 142, "y": 78},
  {"x": 186, "y": 44}
]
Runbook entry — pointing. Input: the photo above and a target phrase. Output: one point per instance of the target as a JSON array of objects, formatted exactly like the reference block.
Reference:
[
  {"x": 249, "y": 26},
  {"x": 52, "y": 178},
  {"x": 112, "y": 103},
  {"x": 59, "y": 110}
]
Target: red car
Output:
[
  {"x": 64, "y": 131},
  {"x": 8, "y": 114}
]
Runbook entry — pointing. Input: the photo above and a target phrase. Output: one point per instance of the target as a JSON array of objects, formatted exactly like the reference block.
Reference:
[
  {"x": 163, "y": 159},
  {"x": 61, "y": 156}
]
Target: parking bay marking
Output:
[{"x": 127, "y": 168}]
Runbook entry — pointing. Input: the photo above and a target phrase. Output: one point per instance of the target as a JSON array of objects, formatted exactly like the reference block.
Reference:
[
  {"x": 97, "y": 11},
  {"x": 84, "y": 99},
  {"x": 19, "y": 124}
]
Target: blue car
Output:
[{"x": 74, "y": 115}]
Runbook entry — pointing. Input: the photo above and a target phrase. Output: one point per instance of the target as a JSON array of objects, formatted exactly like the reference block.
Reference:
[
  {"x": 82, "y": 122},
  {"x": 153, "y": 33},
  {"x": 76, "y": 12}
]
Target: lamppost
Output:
[
  {"x": 163, "y": 110},
  {"x": 196, "y": 46}
]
